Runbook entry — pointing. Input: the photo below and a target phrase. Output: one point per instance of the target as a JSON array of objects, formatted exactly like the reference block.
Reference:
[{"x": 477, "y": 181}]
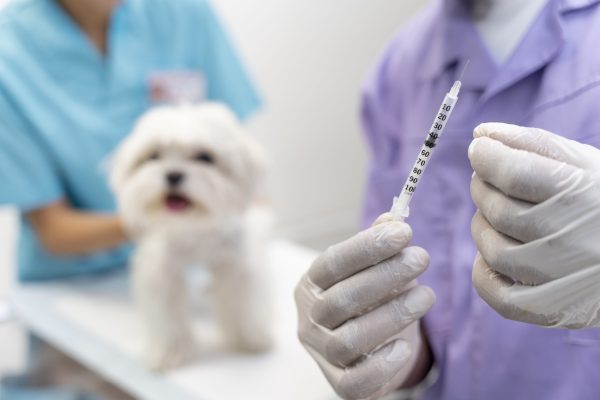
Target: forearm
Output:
[
  {"x": 66, "y": 231},
  {"x": 80, "y": 233}
]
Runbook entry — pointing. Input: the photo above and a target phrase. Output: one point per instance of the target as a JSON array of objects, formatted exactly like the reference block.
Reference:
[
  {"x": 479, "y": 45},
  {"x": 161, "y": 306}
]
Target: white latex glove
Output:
[
  {"x": 359, "y": 308},
  {"x": 538, "y": 225}
]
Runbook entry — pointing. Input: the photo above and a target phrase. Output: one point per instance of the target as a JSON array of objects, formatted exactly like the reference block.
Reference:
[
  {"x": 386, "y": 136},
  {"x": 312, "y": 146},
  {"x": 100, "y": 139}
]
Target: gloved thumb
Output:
[{"x": 542, "y": 142}]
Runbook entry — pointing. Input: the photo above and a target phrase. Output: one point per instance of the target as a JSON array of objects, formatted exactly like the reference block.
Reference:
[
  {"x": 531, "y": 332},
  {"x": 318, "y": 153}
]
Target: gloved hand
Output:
[
  {"x": 359, "y": 308},
  {"x": 538, "y": 225}
]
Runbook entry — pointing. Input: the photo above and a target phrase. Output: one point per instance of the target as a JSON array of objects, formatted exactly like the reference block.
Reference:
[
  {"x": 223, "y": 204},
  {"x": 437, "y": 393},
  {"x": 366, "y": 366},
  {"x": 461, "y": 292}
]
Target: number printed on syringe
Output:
[
  {"x": 400, "y": 208},
  {"x": 430, "y": 142}
]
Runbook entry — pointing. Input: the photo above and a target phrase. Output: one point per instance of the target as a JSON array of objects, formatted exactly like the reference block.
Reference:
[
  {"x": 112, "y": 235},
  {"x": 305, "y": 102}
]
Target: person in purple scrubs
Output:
[{"x": 377, "y": 315}]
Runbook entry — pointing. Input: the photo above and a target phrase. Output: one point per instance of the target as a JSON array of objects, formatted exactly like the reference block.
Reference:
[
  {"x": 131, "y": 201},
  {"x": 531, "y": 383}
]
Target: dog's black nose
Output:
[{"x": 174, "y": 178}]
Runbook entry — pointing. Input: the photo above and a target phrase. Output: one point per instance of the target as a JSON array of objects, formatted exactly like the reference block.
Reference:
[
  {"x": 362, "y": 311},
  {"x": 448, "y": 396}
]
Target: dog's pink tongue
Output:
[{"x": 177, "y": 203}]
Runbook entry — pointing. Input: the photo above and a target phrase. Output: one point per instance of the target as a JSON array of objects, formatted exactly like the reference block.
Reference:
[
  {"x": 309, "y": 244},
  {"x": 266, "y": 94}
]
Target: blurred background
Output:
[{"x": 308, "y": 59}]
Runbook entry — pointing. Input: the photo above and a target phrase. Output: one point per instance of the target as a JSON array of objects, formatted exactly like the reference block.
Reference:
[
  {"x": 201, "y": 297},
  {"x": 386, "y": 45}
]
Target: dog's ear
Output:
[
  {"x": 254, "y": 160},
  {"x": 124, "y": 159},
  {"x": 134, "y": 148},
  {"x": 250, "y": 157}
]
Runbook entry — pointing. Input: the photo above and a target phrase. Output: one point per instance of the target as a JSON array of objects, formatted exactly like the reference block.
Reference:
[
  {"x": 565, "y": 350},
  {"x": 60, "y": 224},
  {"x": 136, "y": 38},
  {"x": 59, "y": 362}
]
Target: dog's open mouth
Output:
[{"x": 176, "y": 202}]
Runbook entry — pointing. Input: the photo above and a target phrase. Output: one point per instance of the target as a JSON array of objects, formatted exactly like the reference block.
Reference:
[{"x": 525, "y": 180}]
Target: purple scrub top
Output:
[{"x": 552, "y": 81}]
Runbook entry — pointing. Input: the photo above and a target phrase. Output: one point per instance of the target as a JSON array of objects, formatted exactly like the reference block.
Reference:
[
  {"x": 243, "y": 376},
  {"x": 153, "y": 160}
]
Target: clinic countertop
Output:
[{"x": 94, "y": 321}]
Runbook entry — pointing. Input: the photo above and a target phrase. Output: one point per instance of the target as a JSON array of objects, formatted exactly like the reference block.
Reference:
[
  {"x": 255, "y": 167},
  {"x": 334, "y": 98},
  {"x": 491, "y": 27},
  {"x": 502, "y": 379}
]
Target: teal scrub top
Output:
[{"x": 64, "y": 106}]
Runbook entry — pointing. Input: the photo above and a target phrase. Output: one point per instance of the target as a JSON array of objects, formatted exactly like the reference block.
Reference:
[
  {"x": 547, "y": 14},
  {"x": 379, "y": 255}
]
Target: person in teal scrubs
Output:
[{"x": 74, "y": 77}]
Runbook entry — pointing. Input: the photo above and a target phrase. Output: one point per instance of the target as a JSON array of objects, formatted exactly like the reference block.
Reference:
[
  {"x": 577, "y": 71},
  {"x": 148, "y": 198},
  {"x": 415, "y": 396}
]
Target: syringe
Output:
[{"x": 400, "y": 208}]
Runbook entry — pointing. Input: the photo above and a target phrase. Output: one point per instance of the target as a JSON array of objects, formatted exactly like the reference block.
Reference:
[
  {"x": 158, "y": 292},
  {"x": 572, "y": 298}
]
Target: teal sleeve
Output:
[
  {"x": 227, "y": 79},
  {"x": 28, "y": 177}
]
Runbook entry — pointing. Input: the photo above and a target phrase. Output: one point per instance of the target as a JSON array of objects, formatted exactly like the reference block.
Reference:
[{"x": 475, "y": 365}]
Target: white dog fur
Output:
[{"x": 186, "y": 181}]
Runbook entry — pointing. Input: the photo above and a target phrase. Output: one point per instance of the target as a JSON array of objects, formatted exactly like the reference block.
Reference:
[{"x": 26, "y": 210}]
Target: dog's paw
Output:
[{"x": 161, "y": 357}]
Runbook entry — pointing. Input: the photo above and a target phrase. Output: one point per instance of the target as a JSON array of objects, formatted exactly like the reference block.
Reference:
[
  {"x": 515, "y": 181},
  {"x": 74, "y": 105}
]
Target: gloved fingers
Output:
[
  {"x": 517, "y": 173},
  {"x": 361, "y": 251},
  {"x": 372, "y": 376},
  {"x": 495, "y": 289},
  {"x": 305, "y": 294},
  {"x": 362, "y": 335},
  {"x": 536, "y": 262},
  {"x": 506, "y": 214},
  {"x": 542, "y": 142},
  {"x": 369, "y": 288},
  {"x": 553, "y": 304},
  {"x": 383, "y": 218},
  {"x": 504, "y": 254},
  {"x": 550, "y": 304}
]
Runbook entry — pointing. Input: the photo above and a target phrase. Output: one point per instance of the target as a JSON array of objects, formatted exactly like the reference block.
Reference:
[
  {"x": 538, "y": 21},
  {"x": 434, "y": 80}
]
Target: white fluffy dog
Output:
[{"x": 186, "y": 182}]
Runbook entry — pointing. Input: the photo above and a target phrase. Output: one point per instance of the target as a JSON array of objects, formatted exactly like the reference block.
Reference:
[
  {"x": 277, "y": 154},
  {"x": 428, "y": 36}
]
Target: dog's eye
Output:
[
  {"x": 155, "y": 155},
  {"x": 204, "y": 157}
]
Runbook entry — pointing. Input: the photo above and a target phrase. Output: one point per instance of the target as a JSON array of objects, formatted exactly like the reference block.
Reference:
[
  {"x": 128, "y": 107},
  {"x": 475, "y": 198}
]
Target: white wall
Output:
[{"x": 309, "y": 59}]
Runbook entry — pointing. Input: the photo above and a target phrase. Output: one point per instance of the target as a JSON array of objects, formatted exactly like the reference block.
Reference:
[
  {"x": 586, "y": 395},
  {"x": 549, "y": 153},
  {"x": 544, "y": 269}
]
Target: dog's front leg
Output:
[
  {"x": 160, "y": 294},
  {"x": 243, "y": 305}
]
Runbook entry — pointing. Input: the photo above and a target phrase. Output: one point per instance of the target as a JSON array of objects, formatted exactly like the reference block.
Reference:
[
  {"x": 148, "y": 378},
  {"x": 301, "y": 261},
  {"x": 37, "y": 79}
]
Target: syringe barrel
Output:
[{"x": 400, "y": 209}]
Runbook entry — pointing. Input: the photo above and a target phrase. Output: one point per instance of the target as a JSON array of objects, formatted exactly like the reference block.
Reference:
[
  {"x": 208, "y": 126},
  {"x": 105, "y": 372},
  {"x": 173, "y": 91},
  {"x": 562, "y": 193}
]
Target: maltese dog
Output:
[{"x": 187, "y": 181}]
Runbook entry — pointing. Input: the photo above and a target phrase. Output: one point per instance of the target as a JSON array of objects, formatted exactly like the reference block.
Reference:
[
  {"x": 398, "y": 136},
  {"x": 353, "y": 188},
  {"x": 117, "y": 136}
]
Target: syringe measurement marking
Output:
[
  {"x": 400, "y": 207},
  {"x": 430, "y": 143}
]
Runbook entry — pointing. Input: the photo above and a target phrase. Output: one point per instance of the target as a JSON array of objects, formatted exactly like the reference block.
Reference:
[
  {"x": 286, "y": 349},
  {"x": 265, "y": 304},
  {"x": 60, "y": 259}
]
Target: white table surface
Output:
[{"x": 94, "y": 321}]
